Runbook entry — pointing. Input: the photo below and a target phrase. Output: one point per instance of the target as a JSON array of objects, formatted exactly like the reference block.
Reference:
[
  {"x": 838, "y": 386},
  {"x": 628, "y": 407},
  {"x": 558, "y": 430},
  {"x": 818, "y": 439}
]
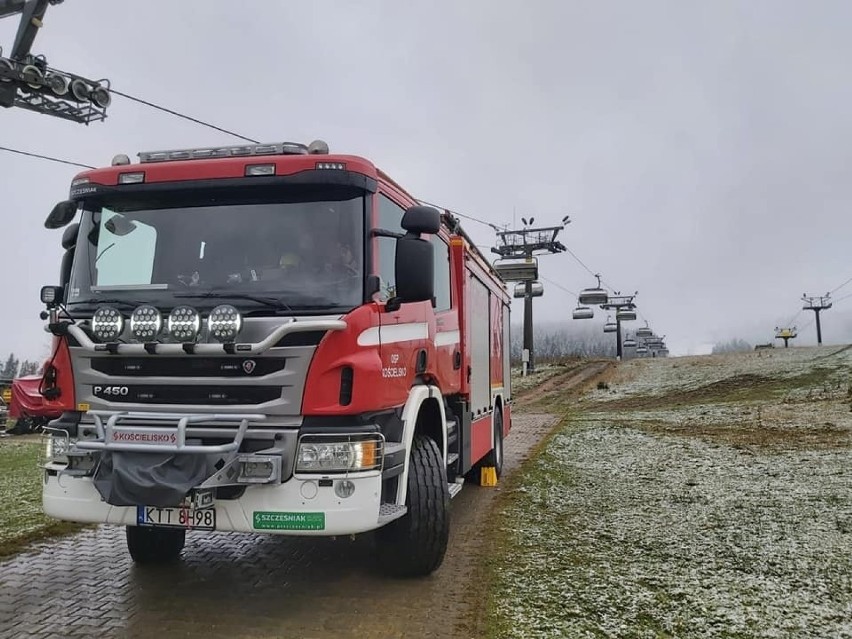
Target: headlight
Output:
[{"x": 325, "y": 456}]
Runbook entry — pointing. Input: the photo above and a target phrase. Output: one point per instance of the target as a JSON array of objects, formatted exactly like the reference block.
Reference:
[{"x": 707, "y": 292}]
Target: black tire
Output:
[
  {"x": 155, "y": 545},
  {"x": 414, "y": 545},
  {"x": 495, "y": 455}
]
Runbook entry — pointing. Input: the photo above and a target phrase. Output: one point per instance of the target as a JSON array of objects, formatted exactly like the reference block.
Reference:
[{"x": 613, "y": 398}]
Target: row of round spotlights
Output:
[
  {"x": 60, "y": 85},
  {"x": 183, "y": 324}
]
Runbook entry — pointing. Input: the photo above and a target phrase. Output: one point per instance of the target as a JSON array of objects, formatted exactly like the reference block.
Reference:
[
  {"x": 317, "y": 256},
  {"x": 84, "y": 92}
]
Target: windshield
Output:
[{"x": 293, "y": 256}]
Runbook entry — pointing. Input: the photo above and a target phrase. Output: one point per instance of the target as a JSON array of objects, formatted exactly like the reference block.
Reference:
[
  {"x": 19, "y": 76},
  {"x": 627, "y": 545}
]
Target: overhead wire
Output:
[
  {"x": 181, "y": 115},
  {"x": 841, "y": 286},
  {"x": 46, "y": 157}
]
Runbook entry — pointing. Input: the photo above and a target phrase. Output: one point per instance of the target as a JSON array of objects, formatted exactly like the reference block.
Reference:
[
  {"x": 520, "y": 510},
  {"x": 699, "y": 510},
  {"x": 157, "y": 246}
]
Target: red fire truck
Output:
[{"x": 269, "y": 339}]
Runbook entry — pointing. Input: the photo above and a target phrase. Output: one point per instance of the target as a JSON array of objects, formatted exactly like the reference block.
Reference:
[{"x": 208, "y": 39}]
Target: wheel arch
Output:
[{"x": 423, "y": 413}]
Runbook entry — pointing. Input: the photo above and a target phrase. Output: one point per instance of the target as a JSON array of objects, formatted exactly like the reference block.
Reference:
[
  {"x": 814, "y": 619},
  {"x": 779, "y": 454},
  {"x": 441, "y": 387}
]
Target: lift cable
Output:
[
  {"x": 559, "y": 286},
  {"x": 45, "y": 157},
  {"x": 841, "y": 286},
  {"x": 181, "y": 115}
]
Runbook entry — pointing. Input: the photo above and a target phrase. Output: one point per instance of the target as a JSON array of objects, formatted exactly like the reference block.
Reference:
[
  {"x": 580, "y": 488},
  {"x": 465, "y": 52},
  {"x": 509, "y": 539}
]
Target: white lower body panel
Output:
[{"x": 261, "y": 509}]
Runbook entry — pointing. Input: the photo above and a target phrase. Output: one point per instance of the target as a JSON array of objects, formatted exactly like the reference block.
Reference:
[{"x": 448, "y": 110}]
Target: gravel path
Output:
[{"x": 256, "y": 586}]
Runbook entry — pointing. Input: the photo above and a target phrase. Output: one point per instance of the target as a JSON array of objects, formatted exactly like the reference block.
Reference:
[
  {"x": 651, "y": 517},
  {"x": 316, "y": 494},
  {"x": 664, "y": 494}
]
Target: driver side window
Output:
[{"x": 390, "y": 216}]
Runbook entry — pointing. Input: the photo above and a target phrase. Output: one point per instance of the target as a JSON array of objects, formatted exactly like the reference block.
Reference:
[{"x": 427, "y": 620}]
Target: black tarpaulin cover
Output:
[{"x": 149, "y": 479}]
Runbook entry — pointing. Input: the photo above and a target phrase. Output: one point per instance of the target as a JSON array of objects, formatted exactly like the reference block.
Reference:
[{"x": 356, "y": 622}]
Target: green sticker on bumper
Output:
[{"x": 288, "y": 521}]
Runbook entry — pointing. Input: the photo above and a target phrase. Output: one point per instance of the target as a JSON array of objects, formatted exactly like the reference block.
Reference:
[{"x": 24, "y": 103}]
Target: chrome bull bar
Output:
[{"x": 145, "y": 438}]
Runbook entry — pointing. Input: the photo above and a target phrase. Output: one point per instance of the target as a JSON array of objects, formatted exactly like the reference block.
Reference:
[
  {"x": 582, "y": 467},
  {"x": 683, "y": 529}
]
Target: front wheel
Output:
[
  {"x": 414, "y": 545},
  {"x": 155, "y": 545}
]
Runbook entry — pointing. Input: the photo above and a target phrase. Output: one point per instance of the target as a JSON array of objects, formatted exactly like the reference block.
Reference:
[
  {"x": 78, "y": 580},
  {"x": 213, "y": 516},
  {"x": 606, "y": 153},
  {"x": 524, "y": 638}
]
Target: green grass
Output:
[
  {"x": 21, "y": 518},
  {"x": 736, "y": 389}
]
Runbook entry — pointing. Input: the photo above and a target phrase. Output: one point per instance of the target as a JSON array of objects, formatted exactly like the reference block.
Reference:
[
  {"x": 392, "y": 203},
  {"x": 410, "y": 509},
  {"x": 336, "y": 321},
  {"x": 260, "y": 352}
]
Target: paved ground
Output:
[{"x": 233, "y": 585}]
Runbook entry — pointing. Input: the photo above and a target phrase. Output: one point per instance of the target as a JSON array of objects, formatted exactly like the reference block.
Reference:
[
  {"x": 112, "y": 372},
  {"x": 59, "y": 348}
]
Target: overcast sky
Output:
[{"x": 702, "y": 150}]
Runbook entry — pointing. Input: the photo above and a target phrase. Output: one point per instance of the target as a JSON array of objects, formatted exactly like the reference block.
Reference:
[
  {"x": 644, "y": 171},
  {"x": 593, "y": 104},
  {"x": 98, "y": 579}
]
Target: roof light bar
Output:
[{"x": 281, "y": 148}]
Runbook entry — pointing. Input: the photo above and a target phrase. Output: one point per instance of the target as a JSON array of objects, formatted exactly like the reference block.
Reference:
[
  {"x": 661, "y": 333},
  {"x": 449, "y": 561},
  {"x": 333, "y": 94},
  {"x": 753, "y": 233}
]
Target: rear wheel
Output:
[
  {"x": 155, "y": 545},
  {"x": 414, "y": 545}
]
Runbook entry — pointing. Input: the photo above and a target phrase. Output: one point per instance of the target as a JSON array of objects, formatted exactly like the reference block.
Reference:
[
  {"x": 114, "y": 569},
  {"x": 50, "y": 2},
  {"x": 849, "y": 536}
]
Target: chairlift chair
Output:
[
  {"x": 594, "y": 296},
  {"x": 625, "y": 314},
  {"x": 610, "y": 326},
  {"x": 645, "y": 331},
  {"x": 583, "y": 312},
  {"x": 629, "y": 343}
]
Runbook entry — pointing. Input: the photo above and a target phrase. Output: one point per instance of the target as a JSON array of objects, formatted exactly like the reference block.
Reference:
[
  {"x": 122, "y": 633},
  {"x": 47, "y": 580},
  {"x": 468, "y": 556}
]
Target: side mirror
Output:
[
  {"x": 414, "y": 270},
  {"x": 61, "y": 215},
  {"x": 69, "y": 236},
  {"x": 421, "y": 219},
  {"x": 119, "y": 225}
]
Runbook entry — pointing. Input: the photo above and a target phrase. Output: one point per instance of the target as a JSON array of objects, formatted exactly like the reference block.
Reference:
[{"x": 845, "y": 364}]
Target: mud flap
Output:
[{"x": 149, "y": 479}]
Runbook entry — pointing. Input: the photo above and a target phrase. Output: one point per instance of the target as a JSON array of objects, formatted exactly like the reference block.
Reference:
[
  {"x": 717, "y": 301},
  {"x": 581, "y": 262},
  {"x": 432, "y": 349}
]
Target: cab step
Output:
[
  {"x": 389, "y": 512},
  {"x": 455, "y": 487}
]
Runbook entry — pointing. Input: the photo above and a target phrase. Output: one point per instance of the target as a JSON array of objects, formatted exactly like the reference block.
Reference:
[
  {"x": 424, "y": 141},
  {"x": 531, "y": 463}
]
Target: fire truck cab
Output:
[{"x": 269, "y": 339}]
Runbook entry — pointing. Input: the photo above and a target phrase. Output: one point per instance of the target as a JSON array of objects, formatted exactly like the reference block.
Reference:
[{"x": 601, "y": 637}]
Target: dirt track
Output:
[{"x": 262, "y": 586}]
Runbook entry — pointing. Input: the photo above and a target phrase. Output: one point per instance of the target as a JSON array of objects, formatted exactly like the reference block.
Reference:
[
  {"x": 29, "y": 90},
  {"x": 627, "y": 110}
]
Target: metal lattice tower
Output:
[
  {"x": 27, "y": 82},
  {"x": 817, "y": 304},
  {"x": 517, "y": 263}
]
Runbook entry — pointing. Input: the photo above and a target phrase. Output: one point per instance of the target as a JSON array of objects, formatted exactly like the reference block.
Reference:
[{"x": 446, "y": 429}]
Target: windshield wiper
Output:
[
  {"x": 271, "y": 302},
  {"x": 108, "y": 300}
]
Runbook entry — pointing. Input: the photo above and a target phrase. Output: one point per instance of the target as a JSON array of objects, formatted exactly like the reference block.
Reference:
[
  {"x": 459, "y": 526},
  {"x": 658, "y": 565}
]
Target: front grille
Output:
[
  {"x": 180, "y": 394},
  {"x": 188, "y": 366}
]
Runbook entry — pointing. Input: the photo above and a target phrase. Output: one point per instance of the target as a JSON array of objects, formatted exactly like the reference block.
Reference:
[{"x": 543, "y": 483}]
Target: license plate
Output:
[
  {"x": 194, "y": 518},
  {"x": 150, "y": 436}
]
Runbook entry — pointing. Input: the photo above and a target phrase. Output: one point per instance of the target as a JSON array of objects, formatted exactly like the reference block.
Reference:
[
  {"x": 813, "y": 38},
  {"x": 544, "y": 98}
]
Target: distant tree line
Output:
[
  {"x": 732, "y": 346},
  {"x": 554, "y": 342},
  {"x": 14, "y": 367}
]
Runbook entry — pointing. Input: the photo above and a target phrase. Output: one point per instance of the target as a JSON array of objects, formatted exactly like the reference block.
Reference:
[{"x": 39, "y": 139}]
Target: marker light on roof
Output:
[
  {"x": 260, "y": 169},
  {"x": 331, "y": 165},
  {"x": 131, "y": 178},
  {"x": 318, "y": 147},
  {"x": 120, "y": 160}
]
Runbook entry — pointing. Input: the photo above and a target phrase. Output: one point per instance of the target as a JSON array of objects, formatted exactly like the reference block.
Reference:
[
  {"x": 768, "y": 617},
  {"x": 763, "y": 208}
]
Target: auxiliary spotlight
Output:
[
  {"x": 184, "y": 323},
  {"x": 107, "y": 324}
]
